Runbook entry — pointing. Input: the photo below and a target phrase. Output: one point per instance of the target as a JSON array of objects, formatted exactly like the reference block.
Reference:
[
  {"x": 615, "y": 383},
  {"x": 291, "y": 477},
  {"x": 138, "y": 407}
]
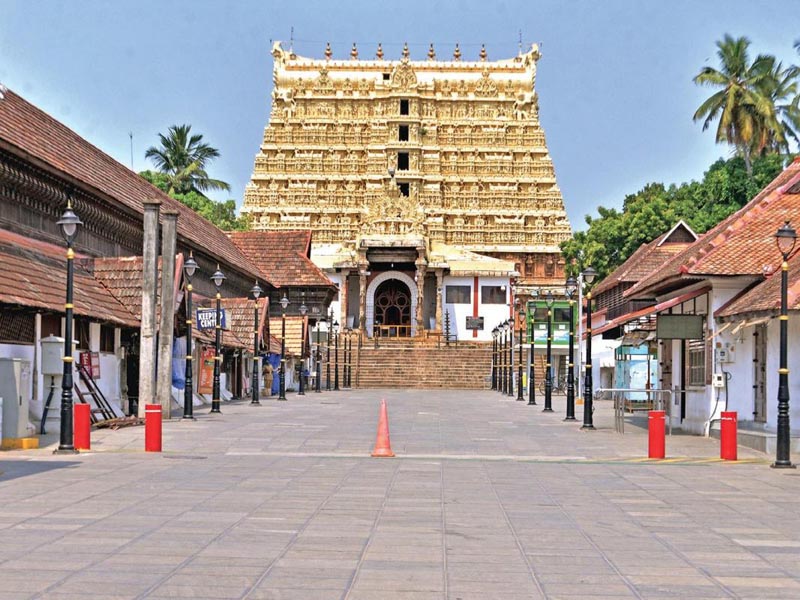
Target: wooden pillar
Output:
[{"x": 439, "y": 292}]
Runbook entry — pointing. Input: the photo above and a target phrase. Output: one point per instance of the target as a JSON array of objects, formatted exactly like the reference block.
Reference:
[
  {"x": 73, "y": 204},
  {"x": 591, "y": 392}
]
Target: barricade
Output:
[
  {"x": 152, "y": 428},
  {"x": 656, "y": 434},
  {"x": 82, "y": 426},
  {"x": 727, "y": 436}
]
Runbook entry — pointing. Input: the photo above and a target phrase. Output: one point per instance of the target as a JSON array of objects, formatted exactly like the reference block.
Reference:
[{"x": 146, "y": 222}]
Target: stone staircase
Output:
[{"x": 406, "y": 364}]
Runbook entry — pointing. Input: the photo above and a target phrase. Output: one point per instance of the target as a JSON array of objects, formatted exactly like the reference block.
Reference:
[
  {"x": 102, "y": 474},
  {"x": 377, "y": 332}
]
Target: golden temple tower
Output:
[{"x": 440, "y": 157}]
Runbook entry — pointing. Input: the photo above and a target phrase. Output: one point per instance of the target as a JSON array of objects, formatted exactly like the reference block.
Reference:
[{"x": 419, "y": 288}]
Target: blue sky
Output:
[{"x": 615, "y": 78}]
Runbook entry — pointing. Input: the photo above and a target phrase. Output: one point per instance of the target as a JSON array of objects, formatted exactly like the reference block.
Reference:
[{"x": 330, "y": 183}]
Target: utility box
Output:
[
  {"x": 52, "y": 355},
  {"x": 15, "y": 382}
]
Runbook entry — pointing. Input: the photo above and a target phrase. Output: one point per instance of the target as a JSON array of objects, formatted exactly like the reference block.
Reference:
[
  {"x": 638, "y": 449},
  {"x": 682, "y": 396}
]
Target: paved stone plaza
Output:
[{"x": 487, "y": 498}]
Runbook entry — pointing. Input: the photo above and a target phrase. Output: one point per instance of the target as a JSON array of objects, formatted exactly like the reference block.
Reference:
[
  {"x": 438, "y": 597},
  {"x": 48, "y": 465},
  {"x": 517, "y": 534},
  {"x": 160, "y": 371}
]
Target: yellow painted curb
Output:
[{"x": 28, "y": 443}]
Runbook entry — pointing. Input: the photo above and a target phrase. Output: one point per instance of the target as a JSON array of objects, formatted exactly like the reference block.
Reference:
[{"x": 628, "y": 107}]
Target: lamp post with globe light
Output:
[
  {"x": 588, "y": 408},
  {"x": 189, "y": 268},
  {"x": 68, "y": 223},
  {"x": 785, "y": 238},
  {"x": 570, "y": 288},
  {"x": 282, "y": 375},
  {"x": 256, "y": 292},
  {"x": 218, "y": 278}
]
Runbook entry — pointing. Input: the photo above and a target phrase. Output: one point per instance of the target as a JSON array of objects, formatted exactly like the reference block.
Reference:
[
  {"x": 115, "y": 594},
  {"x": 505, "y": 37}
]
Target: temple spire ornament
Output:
[
  {"x": 457, "y": 53},
  {"x": 354, "y": 52},
  {"x": 483, "y": 53},
  {"x": 379, "y": 53},
  {"x": 431, "y": 53},
  {"x": 328, "y": 51},
  {"x": 406, "y": 53}
]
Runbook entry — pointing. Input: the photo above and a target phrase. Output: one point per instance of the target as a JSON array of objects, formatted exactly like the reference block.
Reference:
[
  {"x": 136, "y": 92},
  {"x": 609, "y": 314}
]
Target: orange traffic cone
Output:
[{"x": 383, "y": 447}]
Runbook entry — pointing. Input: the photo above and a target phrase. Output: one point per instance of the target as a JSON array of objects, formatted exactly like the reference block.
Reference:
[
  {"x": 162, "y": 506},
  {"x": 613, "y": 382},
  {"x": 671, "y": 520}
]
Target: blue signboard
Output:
[{"x": 206, "y": 318}]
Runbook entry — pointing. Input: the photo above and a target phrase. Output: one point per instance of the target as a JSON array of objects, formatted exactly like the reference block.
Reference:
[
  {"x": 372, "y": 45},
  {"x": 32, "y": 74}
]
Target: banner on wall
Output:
[
  {"x": 91, "y": 361},
  {"x": 206, "y": 383}
]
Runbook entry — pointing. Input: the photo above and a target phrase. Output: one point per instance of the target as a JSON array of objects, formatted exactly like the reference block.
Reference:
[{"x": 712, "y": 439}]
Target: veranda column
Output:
[
  {"x": 420, "y": 279},
  {"x": 362, "y": 299}
]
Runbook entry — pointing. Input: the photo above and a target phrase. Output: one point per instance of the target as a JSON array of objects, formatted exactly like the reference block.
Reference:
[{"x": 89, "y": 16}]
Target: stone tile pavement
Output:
[{"x": 488, "y": 498}]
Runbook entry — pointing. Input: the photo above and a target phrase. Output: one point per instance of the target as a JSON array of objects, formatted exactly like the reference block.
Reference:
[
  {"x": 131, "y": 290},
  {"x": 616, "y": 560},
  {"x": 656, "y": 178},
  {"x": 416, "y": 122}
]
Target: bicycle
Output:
[{"x": 559, "y": 385}]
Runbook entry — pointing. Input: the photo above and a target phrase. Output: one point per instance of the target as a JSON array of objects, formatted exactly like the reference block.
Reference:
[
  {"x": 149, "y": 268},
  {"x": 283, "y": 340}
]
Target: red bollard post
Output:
[
  {"x": 656, "y": 422},
  {"x": 152, "y": 428},
  {"x": 82, "y": 426},
  {"x": 727, "y": 436}
]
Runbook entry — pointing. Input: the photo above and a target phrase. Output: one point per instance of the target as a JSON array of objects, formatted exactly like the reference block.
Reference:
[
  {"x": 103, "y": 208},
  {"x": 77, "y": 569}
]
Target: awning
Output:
[{"x": 660, "y": 307}]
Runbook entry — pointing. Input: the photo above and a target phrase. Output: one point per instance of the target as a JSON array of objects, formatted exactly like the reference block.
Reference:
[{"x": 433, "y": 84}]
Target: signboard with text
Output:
[
  {"x": 206, "y": 375},
  {"x": 206, "y": 318},
  {"x": 91, "y": 361},
  {"x": 475, "y": 323}
]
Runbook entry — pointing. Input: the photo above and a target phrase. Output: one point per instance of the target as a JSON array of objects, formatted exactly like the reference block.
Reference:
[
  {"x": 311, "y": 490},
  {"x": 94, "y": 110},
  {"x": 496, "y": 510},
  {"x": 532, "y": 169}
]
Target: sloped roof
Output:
[
  {"x": 766, "y": 296},
  {"x": 283, "y": 256},
  {"x": 294, "y": 332},
  {"x": 648, "y": 257},
  {"x": 742, "y": 244},
  {"x": 240, "y": 317},
  {"x": 122, "y": 276},
  {"x": 35, "y": 275},
  {"x": 34, "y": 135}
]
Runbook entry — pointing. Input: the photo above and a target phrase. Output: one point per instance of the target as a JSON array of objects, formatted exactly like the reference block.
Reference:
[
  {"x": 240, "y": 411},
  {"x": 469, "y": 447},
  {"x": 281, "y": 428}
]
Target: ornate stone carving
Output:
[
  {"x": 478, "y": 171},
  {"x": 403, "y": 76}
]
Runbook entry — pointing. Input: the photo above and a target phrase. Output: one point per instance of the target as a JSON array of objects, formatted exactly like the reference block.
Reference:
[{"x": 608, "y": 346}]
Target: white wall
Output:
[{"x": 492, "y": 313}]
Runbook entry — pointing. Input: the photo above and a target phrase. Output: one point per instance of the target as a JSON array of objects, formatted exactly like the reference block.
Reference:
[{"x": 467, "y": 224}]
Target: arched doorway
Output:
[{"x": 392, "y": 316}]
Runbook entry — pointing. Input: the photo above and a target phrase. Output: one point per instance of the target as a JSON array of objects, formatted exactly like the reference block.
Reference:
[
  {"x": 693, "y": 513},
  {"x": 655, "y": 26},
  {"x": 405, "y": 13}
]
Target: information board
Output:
[{"x": 475, "y": 323}]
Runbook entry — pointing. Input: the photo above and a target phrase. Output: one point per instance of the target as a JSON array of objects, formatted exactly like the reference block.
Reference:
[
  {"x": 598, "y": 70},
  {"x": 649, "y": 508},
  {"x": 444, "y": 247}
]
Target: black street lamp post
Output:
[
  {"x": 282, "y": 375},
  {"x": 588, "y": 277},
  {"x": 570, "y": 288},
  {"x": 502, "y": 358},
  {"x": 785, "y": 239},
  {"x": 301, "y": 390},
  {"x": 520, "y": 397},
  {"x": 189, "y": 268},
  {"x": 336, "y": 356},
  {"x": 68, "y": 223},
  {"x": 218, "y": 277},
  {"x": 510, "y": 326},
  {"x": 532, "y": 376},
  {"x": 349, "y": 368},
  {"x": 318, "y": 355},
  {"x": 256, "y": 293},
  {"x": 328, "y": 358},
  {"x": 494, "y": 358},
  {"x": 548, "y": 376}
]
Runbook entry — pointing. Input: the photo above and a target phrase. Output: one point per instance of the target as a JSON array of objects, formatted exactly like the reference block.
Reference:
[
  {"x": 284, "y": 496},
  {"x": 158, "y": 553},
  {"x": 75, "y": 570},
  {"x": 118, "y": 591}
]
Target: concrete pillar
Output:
[
  {"x": 439, "y": 292},
  {"x": 167, "y": 322},
  {"x": 147, "y": 337},
  {"x": 343, "y": 299}
]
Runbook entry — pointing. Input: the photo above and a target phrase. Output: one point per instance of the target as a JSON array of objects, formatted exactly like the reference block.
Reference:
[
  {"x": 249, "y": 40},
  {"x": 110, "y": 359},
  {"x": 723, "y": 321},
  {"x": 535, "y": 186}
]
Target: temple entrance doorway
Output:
[{"x": 392, "y": 309}]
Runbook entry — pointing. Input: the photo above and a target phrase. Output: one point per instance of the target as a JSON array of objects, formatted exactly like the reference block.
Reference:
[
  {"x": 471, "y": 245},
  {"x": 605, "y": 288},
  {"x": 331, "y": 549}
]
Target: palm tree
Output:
[
  {"x": 183, "y": 158},
  {"x": 741, "y": 105},
  {"x": 781, "y": 90}
]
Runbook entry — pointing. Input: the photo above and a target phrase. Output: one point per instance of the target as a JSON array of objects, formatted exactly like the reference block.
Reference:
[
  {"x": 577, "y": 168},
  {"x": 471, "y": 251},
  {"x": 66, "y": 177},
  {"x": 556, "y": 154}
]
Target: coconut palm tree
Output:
[
  {"x": 781, "y": 87},
  {"x": 741, "y": 106},
  {"x": 183, "y": 158}
]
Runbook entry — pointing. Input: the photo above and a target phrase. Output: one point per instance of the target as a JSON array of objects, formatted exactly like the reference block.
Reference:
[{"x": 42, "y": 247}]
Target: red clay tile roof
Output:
[
  {"x": 122, "y": 276},
  {"x": 643, "y": 262},
  {"x": 27, "y": 131},
  {"x": 35, "y": 275},
  {"x": 294, "y": 332},
  {"x": 240, "y": 316},
  {"x": 742, "y": 244},
  {"x": 766, "y": 296},
  {"x": 283, "y": 256}
]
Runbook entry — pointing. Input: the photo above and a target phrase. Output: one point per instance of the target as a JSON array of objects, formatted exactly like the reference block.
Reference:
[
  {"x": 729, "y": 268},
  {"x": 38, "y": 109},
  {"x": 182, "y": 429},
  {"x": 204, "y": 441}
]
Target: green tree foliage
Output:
[
  {"x": 222, "y": 214},
  {"x": 756, "y": 103},
  {"x": 183, "y": 158},
  {"x": 612, "y": 237}
]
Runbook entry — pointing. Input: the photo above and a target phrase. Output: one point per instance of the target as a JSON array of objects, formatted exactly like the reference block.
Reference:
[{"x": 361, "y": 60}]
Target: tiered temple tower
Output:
[{"x": 450, "y": 151}]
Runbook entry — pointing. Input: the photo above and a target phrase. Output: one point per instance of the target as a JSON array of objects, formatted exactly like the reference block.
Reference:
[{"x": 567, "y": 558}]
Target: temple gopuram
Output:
[{"x": 427, "y": 185}]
